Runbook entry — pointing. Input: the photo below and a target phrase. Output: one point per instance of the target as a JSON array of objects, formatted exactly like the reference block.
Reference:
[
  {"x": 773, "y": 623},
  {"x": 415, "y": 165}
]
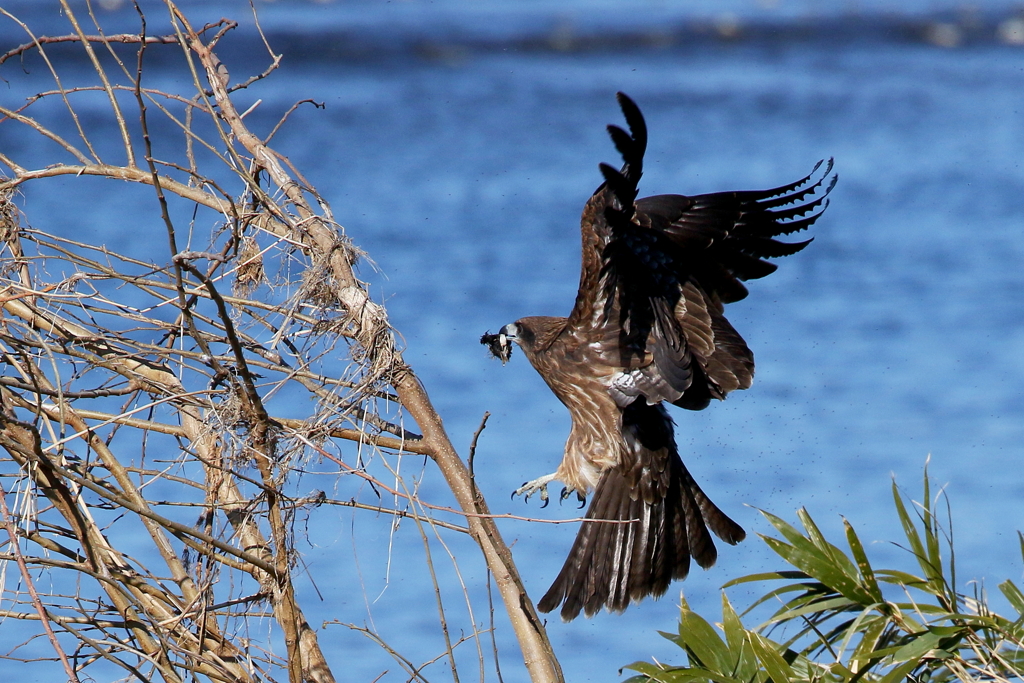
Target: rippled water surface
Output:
[{"x": 458, "y": 153}]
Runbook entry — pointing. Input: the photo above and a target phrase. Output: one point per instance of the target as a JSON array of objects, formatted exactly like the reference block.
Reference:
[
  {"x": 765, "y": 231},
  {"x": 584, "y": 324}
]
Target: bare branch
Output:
[
  {"x": 12, "y": 534},
  {"x": 126, "y": 38}
]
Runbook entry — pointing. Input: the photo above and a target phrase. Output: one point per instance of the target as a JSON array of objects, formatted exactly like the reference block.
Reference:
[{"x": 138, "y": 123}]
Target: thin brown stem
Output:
[{"x": 44, "y": 617}]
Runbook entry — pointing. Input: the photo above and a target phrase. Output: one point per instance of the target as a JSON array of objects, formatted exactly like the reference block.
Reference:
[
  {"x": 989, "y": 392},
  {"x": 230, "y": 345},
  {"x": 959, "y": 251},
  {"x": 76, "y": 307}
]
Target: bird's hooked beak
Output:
[{"x": 500, "y": 345}]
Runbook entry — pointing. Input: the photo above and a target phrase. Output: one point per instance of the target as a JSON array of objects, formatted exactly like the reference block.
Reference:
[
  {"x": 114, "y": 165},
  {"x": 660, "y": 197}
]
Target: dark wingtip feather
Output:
[
  {"x": 835, "y": 179},
  {"x": 634, "y": 119},
  {"x": 768, "y": 248},
  {"x": 631, "y": 146},
  {"x": 789, "y": 227},
  {"x": 621, "y": 186},
  {"x": 796, "y": 191},
  {"x": 623, "y": 142},
  {"x": 611, "y": 175}
]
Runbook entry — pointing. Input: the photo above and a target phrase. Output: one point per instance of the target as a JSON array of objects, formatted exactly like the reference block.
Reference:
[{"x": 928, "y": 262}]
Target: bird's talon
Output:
[
  {"x": 582, "y": 499},
  {"x": 531, "y": 487}
]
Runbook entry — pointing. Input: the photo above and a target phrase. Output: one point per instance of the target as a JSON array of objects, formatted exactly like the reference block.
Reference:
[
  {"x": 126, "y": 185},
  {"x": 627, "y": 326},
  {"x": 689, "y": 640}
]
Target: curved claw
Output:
[
  {"x": 519, "y": 490},
  {"x": 566, "y": 492},
  {"x": 531, "y": 487}
]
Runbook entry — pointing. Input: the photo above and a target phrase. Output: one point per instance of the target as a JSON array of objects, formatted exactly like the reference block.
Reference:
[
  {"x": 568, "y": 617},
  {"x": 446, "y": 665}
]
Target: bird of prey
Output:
[{"x": 648, "y": 328}]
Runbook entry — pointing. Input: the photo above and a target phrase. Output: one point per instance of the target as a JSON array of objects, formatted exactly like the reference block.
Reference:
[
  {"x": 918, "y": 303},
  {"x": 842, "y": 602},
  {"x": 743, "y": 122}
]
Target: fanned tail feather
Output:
[{"x": 642, "y": 529}]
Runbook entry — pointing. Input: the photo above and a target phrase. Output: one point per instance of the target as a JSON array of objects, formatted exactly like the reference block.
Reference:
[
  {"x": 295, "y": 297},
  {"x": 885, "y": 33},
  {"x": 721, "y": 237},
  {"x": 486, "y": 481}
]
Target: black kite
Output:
[{"x": 649, "y": 327}]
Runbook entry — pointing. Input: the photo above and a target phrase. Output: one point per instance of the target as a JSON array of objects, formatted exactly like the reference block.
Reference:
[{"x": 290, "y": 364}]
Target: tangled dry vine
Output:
[{"x": 137, "y": 398}]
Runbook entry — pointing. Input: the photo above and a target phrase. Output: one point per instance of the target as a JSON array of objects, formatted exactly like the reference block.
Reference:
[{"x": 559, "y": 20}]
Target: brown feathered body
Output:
[{"x": 648, "y": 327}]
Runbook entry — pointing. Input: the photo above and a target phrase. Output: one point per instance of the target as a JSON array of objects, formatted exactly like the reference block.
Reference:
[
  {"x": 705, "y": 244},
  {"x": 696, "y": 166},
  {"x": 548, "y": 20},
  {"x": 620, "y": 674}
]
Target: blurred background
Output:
[{"x": 457, "y": 144}]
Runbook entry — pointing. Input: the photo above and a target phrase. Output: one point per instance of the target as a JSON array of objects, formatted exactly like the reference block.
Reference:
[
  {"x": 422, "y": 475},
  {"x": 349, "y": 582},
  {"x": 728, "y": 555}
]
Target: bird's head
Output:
[
  {"x": 500, "y": 345},
  {"x": 534, "y": 335}
]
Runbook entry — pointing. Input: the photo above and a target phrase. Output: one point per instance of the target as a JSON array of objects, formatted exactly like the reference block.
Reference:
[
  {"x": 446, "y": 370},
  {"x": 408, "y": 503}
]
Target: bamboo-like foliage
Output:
[
  {"x": 841, "y": 620},
  {"x": 157, "y": 411}
]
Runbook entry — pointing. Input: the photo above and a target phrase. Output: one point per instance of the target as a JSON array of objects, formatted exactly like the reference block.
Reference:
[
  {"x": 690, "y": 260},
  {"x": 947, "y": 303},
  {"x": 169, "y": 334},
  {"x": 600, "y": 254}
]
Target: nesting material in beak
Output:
[{"x": 499, "y": 346}]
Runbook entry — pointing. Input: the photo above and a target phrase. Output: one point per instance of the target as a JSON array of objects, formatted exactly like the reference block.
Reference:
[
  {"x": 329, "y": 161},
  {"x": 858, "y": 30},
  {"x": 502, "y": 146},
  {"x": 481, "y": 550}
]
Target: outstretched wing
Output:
[{"x": 657, "y": 272}]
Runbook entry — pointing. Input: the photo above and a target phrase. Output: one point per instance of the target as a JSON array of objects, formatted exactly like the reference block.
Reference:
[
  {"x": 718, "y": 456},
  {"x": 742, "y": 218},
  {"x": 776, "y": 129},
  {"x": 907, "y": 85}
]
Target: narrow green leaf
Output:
[
  {"x": 921, "y": 645},
  {"x": 870, "y": 641},
  {"x": 837, "y": 556},
  {"x": 962, "y": 622},
  {"x": 663, "y": 674},
  {"x": 861, "y": 558},
  {"x": 646, "y": 668},
  {"x": 808, "y": 593},
  {"x": 1014, "y": 595},
  {"x": 767, "y": 576},
  {"x": 837, "y": 669},
  {"x": 933, "y": 538},
  {"x": 813, "y": 532},
  {"x": 898, "y": 674},
  {"x": 731, "y": 625},
  {"x": 948, "y": 631},
  {"x": 905, "y": 615},
  {"x": 834, "y": 605},
  {"x": 680, "y": 639},
  {"x": 822, "y": 569},
  {"x": 917, "y": 645},
  {"x": 697, "y": 674},
  {"x": 675, "y": 674},
  {"x": 902, "y": 579},
  {"x": 768, "y": 654},
  {"x": 814, "y": 544},
  {"x": 856, "y": 630},
  {"x": 651, "y": 672},
  {"x": 910, "y": 531},
  {"x": 673, "y": 637},
  {"x": 785, "y": 528},
  {"x": 744, "y": 665},
  {"x": 711, "y": 651},
  {"x": 806, "y": 670}
]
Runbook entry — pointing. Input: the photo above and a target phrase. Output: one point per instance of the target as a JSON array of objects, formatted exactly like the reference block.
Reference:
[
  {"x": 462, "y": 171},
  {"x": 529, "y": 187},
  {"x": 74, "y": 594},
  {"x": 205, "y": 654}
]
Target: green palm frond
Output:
[{"x": 841, "y": 620}]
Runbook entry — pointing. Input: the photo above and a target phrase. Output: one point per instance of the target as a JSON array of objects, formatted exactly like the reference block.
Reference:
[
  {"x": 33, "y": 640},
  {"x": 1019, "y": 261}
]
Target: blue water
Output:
[{"x": 457, "y": 147}]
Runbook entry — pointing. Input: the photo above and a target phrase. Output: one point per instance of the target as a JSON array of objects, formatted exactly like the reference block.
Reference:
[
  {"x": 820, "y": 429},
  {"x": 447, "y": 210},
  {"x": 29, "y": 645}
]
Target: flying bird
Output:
[{"x": 648, "y": 328}]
